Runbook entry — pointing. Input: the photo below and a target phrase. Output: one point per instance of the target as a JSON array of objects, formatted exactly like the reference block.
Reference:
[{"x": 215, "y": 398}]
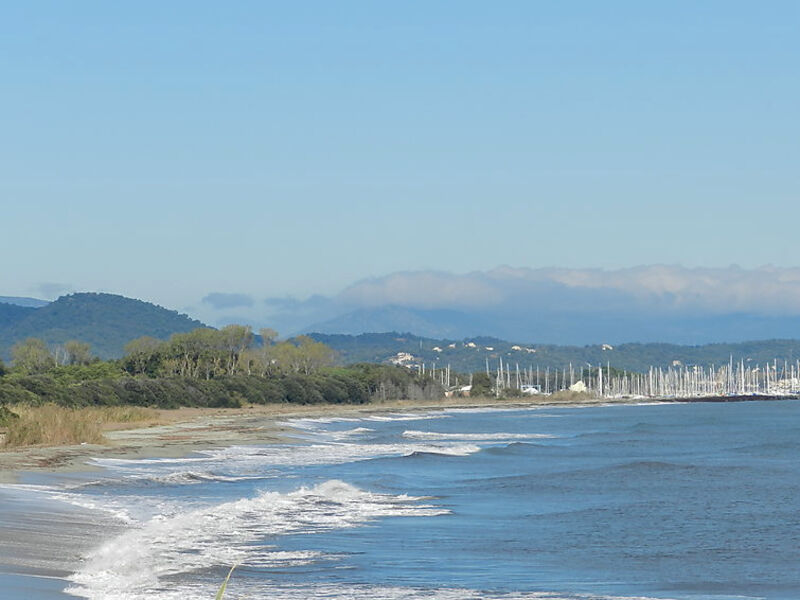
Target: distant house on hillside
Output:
[{"x": 402, "y": 359}]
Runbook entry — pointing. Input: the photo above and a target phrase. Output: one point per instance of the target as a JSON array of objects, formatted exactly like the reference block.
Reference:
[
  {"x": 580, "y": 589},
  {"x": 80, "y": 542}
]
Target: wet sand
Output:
[{"x": 186, "y": 430}]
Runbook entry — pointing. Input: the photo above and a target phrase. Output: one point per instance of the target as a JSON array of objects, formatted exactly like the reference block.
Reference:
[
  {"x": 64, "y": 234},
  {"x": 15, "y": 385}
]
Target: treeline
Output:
[
  {"x": 206, "y": 353},
  {"x": 205, "y": 367}
]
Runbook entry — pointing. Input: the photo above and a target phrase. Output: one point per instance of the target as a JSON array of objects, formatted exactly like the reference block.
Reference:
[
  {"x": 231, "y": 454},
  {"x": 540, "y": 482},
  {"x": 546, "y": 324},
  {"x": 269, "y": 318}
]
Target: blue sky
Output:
[{"x": 168, "y": 150}]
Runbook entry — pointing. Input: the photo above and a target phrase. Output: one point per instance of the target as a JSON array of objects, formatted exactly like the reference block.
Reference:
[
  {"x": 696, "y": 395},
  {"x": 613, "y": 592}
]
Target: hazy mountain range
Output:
[
  {"x": 109, "y": 321},
  {"x": 655, "y": 303}
]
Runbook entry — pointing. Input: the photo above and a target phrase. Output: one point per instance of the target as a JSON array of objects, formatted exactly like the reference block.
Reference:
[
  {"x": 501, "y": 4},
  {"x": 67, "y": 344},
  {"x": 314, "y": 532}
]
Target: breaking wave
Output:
[
  {"x": 474, "y": 437},
  {"x": 134, "y": 565}
]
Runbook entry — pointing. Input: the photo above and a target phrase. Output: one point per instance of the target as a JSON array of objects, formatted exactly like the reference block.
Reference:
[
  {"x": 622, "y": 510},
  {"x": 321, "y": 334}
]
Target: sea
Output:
[{"x": 681, "y": 501}]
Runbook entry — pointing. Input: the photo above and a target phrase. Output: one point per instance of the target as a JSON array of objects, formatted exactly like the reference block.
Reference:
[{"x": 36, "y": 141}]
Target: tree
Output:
[
  {"x": 78, "y": 353},
  {"x": 313, "y": 355},
  {"x": 268, "y": 336},
  {"x": 233, "y": 341},
  {"x": 284, "y": 358},
  {"x": 481, "y": 384},
  {"x": 196, "y": 353},
  {"x": 263, "y": 358},
  {"x": 32, "y": 356},
  {"x": 3, "y": 369},
  {"x": 142, "y": 355}
]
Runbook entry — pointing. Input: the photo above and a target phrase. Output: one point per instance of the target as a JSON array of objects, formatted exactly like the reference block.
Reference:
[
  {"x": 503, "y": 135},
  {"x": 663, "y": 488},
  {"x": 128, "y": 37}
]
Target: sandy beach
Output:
[{"x": 185, "y": 430}]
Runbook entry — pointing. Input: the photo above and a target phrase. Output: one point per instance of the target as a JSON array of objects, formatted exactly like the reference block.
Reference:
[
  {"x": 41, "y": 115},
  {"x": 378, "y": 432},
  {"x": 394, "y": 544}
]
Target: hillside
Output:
[
  {"x": 380, "y": 347},
  {"x": 13, "y": 313},
  {"x": 105, "y": 321},
  {"x": 21, "y": 301},
  {"x": 560, "y": 322}
]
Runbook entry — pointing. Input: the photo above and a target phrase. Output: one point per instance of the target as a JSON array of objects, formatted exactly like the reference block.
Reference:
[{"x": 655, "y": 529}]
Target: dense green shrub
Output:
[{"x": 107, "y": 384}]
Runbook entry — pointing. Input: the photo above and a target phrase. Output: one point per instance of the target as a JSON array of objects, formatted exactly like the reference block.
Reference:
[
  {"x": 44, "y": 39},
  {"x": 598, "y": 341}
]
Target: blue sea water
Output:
[{"x": 672, "y": 501}]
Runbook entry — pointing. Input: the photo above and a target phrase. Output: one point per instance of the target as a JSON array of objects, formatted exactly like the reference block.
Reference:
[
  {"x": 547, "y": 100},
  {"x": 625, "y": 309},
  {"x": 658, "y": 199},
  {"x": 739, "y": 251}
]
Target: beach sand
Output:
[{"x": 185, "y": 430}]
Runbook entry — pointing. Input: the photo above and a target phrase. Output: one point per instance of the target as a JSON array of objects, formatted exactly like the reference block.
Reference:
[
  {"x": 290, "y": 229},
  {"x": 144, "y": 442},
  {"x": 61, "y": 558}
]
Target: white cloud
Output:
[
  {"x": 766, "y": 290},
  {"x": 424, "y": 289}
]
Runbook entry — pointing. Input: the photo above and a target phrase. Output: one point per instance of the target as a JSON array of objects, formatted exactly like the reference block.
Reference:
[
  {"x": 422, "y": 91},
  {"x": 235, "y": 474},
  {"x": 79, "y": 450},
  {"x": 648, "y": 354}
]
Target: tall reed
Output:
[{"x": 52, "y": 425}]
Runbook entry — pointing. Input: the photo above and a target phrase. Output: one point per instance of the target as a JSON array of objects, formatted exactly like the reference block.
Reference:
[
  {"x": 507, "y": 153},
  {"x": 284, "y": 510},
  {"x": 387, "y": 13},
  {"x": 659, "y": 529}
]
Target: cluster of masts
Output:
[
  {"x": 735, "y": 378},
  {"x": 732, "y": 379}
]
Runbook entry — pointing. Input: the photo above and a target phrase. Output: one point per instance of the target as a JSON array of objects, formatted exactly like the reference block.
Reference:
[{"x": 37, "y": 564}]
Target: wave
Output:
[
  {"x": 265, "y": 461},
  {"x": 461, "y": 450},
  {"x": 503, "y": 409},
  {"x": 314, "y": 424},
  {"x": 348, "y": 433},
  {"x": 406, "y": 417},
  {"x": 174, "y": 478},
  {"x": 514, "y": 448},
  {"x": 769, "y": 448},
  {"x": 477, "y": 437},
  {"x": 132, "y": 565}
]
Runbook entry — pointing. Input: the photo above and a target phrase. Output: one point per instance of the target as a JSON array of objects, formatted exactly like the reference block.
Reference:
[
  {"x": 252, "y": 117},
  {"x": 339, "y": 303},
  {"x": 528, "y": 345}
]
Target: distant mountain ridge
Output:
[
  {"x": 437, "y": 323},
  {"x": 22, "y": 301},
  {"x": 106, "y": 321},
  {"x": 564, "y": 326},
  {"x": 471, "y": 354}
]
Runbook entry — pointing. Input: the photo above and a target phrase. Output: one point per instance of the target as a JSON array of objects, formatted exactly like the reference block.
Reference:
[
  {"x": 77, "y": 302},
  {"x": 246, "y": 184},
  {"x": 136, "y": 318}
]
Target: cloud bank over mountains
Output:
[
  {"x": 767, "y": 290},
  {"x": 550, "y": 305}
]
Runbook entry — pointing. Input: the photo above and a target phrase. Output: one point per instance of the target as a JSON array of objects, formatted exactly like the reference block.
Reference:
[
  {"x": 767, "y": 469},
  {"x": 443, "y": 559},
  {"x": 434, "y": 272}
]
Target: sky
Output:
[{"x": 171, "y": 151}]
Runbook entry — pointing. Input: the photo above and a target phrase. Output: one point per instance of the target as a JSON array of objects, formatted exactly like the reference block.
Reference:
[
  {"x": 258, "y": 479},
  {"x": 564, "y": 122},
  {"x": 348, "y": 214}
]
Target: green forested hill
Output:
[
  {"x": 12, "y": 313},
  {"x": 463, "y": 357},
  {"x": 106, "y": 321}
]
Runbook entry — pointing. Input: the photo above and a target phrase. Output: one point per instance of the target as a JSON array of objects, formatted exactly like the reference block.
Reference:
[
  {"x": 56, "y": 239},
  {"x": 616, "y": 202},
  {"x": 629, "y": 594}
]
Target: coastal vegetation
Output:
[
  {"x": 50, "y": 424},
  {"x": 205, "y": 367}
]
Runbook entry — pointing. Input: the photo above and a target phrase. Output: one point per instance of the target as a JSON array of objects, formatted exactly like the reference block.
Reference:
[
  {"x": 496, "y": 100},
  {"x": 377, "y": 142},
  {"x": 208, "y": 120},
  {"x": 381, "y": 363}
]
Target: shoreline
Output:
[
  {"x": 182, "y": 431},
  {"x": 186, "y": 431}
]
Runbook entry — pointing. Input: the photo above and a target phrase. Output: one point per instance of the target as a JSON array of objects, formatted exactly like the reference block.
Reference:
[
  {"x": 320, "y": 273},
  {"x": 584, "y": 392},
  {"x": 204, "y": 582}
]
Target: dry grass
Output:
[
  {"x": 52, "y": 425},
  {"x": 123, "y": 414}
]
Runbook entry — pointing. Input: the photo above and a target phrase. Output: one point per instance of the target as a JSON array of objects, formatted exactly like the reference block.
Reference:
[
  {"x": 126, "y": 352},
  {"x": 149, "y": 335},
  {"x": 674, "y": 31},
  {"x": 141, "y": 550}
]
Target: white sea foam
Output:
[
  {"x": 314, "y": 424},
  {"x": 333, "y": 591},
  {"x": 333, "y": 453},
  {"x": 350, "y": 432},
  {"x": 474, "y": 410},
  {"x": 264, "y": 461},
  {"x": 133, "y": 565},
  {"x": 473, "y": 437}
]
